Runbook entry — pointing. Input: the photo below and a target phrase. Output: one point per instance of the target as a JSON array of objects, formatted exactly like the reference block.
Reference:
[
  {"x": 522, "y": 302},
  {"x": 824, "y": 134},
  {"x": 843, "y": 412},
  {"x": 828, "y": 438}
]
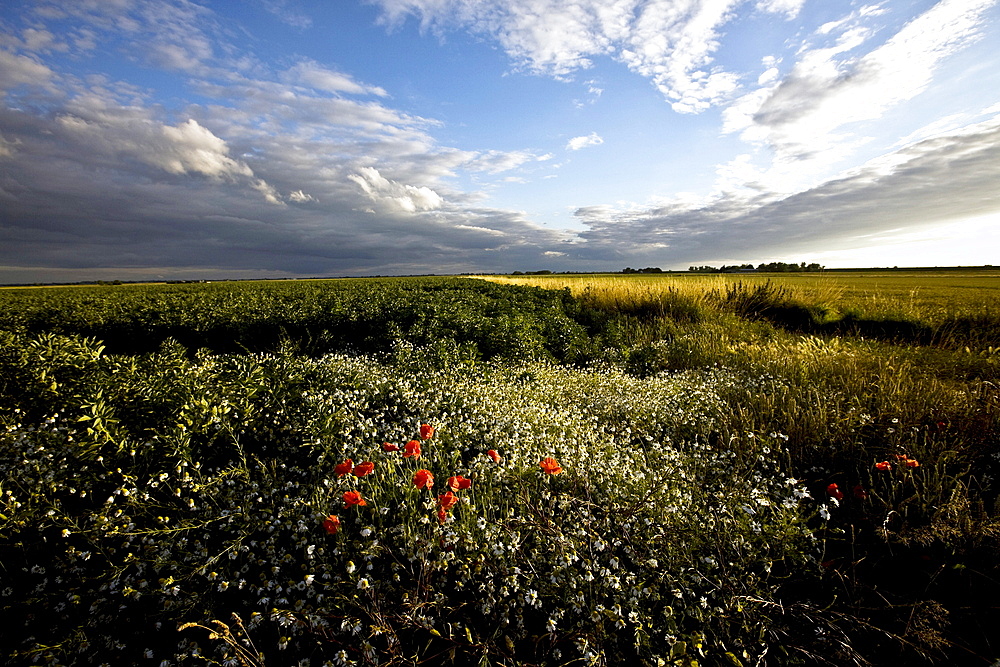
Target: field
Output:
[{"x": 659, "y": 470}]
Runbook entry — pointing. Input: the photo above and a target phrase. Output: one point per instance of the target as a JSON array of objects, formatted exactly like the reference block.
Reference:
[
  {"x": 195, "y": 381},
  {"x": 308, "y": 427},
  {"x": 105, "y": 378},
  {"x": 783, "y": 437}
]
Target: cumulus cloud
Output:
[
  {"x": 577, "y": 143},
  {"x": 103, "y": 182},
  {"x": 120, "y": 137},
  {"x": 670, "y": 42},
  {"x": 275, "y": 171},
  {"x": 395, "y": 196}
]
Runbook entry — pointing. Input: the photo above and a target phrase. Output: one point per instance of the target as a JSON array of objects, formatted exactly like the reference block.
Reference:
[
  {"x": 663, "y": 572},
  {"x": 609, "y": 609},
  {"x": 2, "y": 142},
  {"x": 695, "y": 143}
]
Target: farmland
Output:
[{"x": 676, "y": 470}]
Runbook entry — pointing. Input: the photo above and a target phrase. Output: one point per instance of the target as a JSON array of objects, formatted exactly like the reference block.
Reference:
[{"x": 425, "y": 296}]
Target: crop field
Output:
[
  {"x": 527, "y": 470},
  {"x": 923, "y": 294}
]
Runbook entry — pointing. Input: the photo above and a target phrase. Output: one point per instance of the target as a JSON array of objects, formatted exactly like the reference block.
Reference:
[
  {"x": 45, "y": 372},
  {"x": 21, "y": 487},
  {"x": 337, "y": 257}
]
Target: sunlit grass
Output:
[{"x": 730, "y": 489}]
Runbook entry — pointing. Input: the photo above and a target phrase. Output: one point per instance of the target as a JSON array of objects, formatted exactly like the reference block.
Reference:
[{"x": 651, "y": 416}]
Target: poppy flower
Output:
[
  {"x": 331, "y": 524},
  {"x": 493, "y": 455},
  {"x": 883, "y": 465},
  {"x": 442, "y": 516},
  {"x": 423, "y": 479},
  {"x": 860, "y": 493},
  {"x": 834, "y": 492},
  {"x": 389, "y": 447},
  {"x": 447, "y": 500},
  {"x": 353, "y": 498},
  {"x": 911, "y": 463},
  {"x": 412, "y": 449},
  {"x": 550, "y": 466},
  {"x": 343, "y": 468},
  {"x": 426, "y": 431},
  {"x": 363, "y": 469},
  {"x": 459, "y": 483}
]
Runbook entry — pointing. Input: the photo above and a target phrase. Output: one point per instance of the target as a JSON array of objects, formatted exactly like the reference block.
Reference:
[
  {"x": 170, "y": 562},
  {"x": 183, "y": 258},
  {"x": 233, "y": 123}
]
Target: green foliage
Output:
[
  {"x": 313, "y": 317},
  {"x": 168, "y": 456},
  {"x": 184, "y": 491}
]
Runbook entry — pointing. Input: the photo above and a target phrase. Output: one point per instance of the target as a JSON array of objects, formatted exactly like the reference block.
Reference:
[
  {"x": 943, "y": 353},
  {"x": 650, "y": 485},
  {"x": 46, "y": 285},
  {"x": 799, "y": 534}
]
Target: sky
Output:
[{"x": 211, "y": 139}]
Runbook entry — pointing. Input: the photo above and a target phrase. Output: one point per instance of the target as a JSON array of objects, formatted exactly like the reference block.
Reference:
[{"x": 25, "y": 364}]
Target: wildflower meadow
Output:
[{"x": 448, "y": 471}]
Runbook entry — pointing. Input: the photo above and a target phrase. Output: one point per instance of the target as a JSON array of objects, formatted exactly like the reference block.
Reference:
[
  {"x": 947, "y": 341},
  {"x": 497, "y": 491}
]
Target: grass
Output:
[
  {"x": 736, "y": 483},
  {"x": 946, "y": 308}
]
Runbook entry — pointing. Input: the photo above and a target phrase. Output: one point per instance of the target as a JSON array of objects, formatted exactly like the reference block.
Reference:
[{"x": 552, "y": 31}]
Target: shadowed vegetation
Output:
[{"x": 745, "y": 474}]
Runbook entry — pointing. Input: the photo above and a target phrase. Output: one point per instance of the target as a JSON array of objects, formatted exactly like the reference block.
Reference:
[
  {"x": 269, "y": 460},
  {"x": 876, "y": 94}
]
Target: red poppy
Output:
[
  {"x": 860, "y": 493},
  {"x": 550, "y": 466},
  {"x": 911, "y": 463},
  {"x": 459, "y": 483},
  {"x": 834, "y": 492},
  {"x": 426, "y": 431},
  {"x": 412, "y": 449},
  {"x": 442, "y": 516},
  {"x": 363, "y": 469},
  {"x": 353, "y": 498},
  {"x": 493, "y": 455},
  {"x": 343, "y": 468},
  {"x": 389, "y": 447},
  {"x": 423, "y": 479},
  {"x": 447, "y": 500},
  {"x": 331, "y": 524},
  {"x": 884, "y": 465}
]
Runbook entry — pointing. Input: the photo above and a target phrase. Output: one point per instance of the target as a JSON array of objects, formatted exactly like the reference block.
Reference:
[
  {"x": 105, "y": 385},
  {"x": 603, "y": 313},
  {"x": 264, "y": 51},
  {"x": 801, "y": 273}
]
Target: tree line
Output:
[{"x": 769, "y": 267}]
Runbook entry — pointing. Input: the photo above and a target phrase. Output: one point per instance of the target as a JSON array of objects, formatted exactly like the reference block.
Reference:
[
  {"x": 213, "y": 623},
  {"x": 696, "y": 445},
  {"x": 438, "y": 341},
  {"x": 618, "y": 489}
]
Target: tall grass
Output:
[
  {"x": 849, "y": 384},
  {"x": 943, "y": 310},
  {"x": 738, "y": 486}
]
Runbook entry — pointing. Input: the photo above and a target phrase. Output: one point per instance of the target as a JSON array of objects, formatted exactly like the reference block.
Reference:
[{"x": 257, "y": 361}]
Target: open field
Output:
[
  {"x": 923, "y": 293},
  {"x": 669, "y": 470}
]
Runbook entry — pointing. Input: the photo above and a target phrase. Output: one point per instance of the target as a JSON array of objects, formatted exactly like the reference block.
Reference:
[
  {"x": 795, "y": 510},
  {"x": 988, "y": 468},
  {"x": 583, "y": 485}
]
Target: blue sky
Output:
[{"x": 144, "y": 139}]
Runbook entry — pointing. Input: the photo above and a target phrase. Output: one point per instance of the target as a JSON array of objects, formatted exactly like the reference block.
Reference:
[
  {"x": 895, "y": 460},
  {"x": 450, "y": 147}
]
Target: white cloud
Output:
[
  {"x": 672, "y": 44},
  {"x": 300, "y": 197},
  {"x": 395, "y": 196},
  {"x": 806, "y": 118},
  {"x": 289, "y": 15},
  {"x": 120, "y": 136},
  {"x": 311, "y": 73},
  {"x": 18, "y": 70},
  {"x": 125, "y": 182},
  {"x": 41, "y": 40},
  {"x": 938, "y": 180},
  {"x": 669, "y": 41},
  {"x": 789, "y": 8},
  {"x": 576, "y": 143},
  {"x": 494, "y": 162},
  {"x": 825, "y": 91},
  {"x": 190, "y": 148},
  {"x": 177, "y": 36}
]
